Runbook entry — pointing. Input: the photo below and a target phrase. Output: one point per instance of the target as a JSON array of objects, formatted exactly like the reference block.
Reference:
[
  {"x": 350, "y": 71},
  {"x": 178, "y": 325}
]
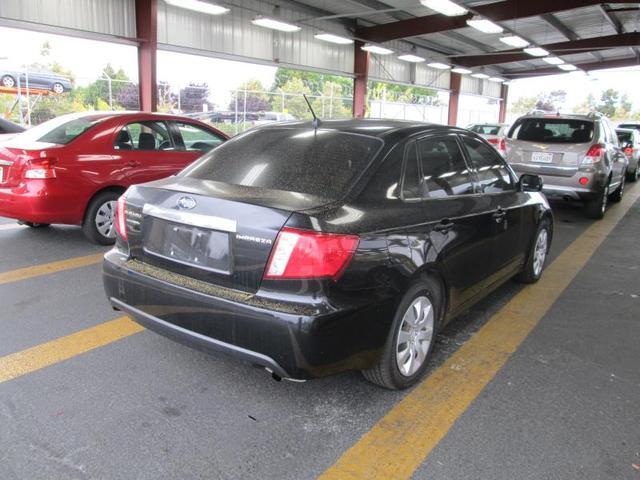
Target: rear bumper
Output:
[
  {"x": 296, "y": 342},
  {"x": 33, "y": 202},
  {"x": 568, "y": 187}
]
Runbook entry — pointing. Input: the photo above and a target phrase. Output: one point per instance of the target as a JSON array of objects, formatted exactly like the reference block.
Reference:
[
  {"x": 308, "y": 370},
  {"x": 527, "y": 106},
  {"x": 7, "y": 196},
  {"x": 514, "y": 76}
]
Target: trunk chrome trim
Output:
[{"x": 194, "y": 219}]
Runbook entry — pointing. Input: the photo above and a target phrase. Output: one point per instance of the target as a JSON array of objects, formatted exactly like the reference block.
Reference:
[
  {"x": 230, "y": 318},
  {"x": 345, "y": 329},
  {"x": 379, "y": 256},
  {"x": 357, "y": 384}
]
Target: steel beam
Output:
[
  {"x": 497, "y": 12},
  {"x": 587, "y": 67},
  {"x": 504, "y": 96},
  {"x": 361, "y": 77},
  {"x": 455, "y": 81},
  {"x": 561, "y": 48},
  {"x": 147, "y": 35}
]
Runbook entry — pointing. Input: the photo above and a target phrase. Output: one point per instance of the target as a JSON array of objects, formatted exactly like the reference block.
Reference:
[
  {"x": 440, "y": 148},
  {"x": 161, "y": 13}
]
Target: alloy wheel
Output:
[
  {"x": 104, "y": 220},
  {"x": 540, "y": 251},
  {"x": 415, "y": 336},
  {"x": 58, "y": 88},
  {"x": 8, "y": 81}
]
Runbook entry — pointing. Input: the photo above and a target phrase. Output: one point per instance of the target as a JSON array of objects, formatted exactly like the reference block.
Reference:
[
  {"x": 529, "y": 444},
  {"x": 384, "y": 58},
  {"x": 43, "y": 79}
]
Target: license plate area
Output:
[
  {"x": 188, "y": 245},
  {"x": 542, "y": 157}
]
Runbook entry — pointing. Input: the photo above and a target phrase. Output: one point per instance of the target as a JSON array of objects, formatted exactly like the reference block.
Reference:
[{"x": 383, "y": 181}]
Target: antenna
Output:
[{"x": 316, "y": 121}]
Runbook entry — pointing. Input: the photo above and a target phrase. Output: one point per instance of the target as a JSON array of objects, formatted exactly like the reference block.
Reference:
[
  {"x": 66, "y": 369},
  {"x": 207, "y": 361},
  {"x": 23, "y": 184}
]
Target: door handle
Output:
[
  {"x": 499, "y": 215},
  {"x": 444, "y": 226}
]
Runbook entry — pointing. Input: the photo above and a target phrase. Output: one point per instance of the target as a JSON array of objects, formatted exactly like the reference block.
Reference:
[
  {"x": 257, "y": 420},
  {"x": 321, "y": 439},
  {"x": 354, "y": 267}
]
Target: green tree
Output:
[
  {"x": 589, "y": 105},
  {"x": 294, "y": 103},
  {"x": 609, "y": 101},
  {"x": 99, "y": 89},
  {"x": 523, "y": 105},
  {"x": 393, "y": 92},
  {"x": 256, "y": 99},
  {"x": 314, "y": 82}
]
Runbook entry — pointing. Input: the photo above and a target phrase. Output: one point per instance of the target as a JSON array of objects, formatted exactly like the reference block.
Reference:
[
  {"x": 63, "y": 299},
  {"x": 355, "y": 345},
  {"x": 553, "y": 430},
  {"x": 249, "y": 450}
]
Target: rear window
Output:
[
  {"x": 624, "y": 137},
  {"x": 61, "y": 130},
  {"x": 552, "y": 130},
  {"x": 486, "y": 129},
  {"x": 632, "y": 126},
  {"x": 322, "y": 163}
]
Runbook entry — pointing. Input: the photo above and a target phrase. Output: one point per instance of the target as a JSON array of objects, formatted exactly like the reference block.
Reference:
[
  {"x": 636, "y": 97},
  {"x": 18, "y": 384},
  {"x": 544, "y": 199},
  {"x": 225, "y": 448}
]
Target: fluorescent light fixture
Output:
[
  {"x": 553, "y": 60},
  {"x": 480, "y": 75},
  {"x": 496, "y": 79},
  {"x": 484, "y": 25},
  {"x": 568, "y": 67},
  {"x": 331, "y": 38},
  {"x": 439, "y": 66},
  {"x": 411, "y": 58},
  {"x": 445, "y": 7},
  {"x": 515, "y": 41},
  {"x": 377, "y": 49},
  {"x": 461, "y": 71},
  {"x": 536, "y": 52},
  {"x": 274, "y": 24},
  {"x": 198, "y": 6}
]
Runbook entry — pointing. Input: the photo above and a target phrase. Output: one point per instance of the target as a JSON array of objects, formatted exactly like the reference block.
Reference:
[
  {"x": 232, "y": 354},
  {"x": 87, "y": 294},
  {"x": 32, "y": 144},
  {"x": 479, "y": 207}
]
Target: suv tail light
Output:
[
  {"x": 499, "y": 143},
  {"x": 628, "y": 151},
  {"x": 121, "y": 218},
  {"x": 307, "y": 254},
  {"x": 40, "y": 168},
  {"x": 594, "y": 155}
]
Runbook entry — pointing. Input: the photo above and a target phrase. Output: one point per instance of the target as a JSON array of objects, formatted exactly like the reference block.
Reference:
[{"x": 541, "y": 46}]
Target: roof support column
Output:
[
  {"x": 361, "y": 76},
  {"x": 454, "y": 98},
  {"x": 504, "y": 96},
  {"x": 147, "y": 34}
]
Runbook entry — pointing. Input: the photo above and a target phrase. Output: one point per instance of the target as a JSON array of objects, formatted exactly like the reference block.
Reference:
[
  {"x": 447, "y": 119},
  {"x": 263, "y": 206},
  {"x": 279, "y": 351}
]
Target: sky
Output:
[{"x": 79, "y": 56}]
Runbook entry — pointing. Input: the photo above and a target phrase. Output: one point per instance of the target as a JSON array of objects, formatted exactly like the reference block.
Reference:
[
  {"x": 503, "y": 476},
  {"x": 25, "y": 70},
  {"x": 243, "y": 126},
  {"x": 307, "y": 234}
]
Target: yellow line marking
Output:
[
  {"x": 35, "y": 358},
  {"x": 48, "y": 268},
  {"x": 397, "y": 445}
]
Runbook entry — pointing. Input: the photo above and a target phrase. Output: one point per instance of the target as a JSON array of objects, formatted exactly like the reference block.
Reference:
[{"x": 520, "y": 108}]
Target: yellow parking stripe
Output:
[
  {"x": 397, "y": 445},
  {"x": 46, "y": 354},
  {"x": 48, "y": 268}
]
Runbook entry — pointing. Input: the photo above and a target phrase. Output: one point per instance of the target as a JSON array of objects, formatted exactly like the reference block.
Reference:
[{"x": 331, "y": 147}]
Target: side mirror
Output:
[{"x": 530, "y": 183}]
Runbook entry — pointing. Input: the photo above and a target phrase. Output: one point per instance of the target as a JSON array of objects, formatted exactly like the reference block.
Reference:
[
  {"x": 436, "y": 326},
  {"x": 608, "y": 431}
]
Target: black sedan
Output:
[
  {"x": 311, "y": 251},
  {"x": 35, "y": 79}
]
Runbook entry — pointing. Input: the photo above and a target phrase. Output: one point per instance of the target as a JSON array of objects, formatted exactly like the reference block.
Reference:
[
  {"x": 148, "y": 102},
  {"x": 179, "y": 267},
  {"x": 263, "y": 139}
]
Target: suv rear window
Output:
[
  {"x": 322, "y": 163},
  {"x": 624, "y": 137},
  {"x": 552, "y": 130}
]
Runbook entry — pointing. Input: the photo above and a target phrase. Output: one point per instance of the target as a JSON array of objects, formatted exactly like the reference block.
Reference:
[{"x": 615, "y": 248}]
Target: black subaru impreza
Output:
[{"x": 314, "y": 249}]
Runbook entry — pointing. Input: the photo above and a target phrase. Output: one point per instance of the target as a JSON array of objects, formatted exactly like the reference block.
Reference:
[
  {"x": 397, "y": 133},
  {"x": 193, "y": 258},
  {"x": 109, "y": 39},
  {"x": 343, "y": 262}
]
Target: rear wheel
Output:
[
  {"x": 633, "y": 176},
  {"x": 597, "y": 207},
  {"x": 532, "y": 270},
  {"x": 98, "y": 225},
  {"x": 411, "y": 339},
  {"x": 33, "y": 224},
  {"x": 617, "y": 195},
  {"x": 57, "y": 88}
]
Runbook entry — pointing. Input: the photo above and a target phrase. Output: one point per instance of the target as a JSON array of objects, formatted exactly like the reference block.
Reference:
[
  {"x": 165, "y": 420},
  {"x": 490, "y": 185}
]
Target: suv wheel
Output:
[
  {"x": 408, "y": 349},
  {"x": 617, "y": 195},
  {"x": 98, "y": 225},
  {"x": 633, "y": 176},
  {"x": 596, "y": 208}
]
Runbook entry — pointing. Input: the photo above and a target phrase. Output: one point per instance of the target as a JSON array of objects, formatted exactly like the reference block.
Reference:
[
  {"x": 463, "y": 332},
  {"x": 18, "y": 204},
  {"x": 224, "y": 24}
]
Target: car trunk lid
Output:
[
  {"x": 557, "y": 159},
  {"x": 15, "y": 158},
  {"x": 210, "y": 231}
]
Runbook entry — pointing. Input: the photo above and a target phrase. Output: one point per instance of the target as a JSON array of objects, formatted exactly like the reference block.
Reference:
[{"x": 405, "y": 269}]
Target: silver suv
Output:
[{"x": 578, "y": 156}]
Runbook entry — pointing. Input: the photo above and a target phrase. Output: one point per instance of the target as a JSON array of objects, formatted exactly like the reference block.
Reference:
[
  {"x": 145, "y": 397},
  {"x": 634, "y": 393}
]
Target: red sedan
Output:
[{"x": 72, "y": 169}]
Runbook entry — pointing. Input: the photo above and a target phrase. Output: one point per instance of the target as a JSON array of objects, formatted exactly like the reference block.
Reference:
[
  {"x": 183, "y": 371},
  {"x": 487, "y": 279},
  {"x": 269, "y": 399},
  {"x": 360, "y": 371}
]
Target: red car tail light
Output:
[
  {"x": 121, "y": 217},
  {"x": 594, "y": 155},
  {"x": 307, "y": 254},
  {"x": 40, "y": 168}
]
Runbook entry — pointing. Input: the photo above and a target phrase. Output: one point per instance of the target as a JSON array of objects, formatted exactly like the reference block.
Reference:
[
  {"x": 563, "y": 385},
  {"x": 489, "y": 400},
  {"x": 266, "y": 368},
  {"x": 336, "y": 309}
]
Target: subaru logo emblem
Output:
[{"x": 186, "y": 203}]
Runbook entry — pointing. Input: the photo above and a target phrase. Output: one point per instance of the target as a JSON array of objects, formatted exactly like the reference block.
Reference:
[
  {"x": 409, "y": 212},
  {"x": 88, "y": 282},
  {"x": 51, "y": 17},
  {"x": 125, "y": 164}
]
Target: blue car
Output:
[{"x": 36, "y": 79}]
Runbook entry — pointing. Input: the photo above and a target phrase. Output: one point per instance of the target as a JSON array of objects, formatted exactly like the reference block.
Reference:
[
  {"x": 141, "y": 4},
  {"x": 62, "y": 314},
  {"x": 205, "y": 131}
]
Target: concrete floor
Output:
[{"x": 565, "y": 406}]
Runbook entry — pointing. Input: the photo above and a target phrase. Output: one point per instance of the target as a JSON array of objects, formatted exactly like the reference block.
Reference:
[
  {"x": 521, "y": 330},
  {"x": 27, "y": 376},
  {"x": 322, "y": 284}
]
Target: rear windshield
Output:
[
  {"x": 552, "y": 130},
  {"x": 624, "y": 137},
  {"x": 632, "y": 126},
  {"x": 486, "y": 129},
  {"x": 322, "y": 163},
  {"x": 61, "y": 130}
]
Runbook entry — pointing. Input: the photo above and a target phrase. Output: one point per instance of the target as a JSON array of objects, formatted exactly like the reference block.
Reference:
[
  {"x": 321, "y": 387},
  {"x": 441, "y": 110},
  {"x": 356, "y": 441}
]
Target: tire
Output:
[
  {"x": 534, "y": 267},
  {"x": 33, "y": 224},
  {"x": 8, "y": 81},
  {"x": 390, "y": 371},
  {"x": 98, "y": 225},
  {"x": 633, "y": 176},
  {"x": 57, "y": 88},
  {"x": 597, "y": 208},
  {"x": 617, "y": 195}
]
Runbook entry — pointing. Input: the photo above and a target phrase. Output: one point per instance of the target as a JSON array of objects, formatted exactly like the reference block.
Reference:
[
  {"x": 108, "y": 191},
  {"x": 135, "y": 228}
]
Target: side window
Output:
[
  {"x": 444, "y": 171},
  {"x": 385, "y": 183},
  {"x": 143, "y": 136},
  {"x": 491, "y": 171},
  {"x": 411, "y": 178},
  {"x": 196, "y": 138}
]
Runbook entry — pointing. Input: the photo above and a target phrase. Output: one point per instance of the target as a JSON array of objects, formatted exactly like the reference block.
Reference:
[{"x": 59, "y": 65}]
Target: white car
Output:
[{"x": 494, "y": 133}]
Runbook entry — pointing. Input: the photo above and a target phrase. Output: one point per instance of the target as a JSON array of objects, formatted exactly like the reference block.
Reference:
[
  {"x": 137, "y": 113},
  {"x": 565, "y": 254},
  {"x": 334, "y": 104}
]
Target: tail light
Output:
[
  {"x": 628, "y": 151},
  {"x": 499, "y": 143},
  {"x": 594, "y": 155},
  {"x": 307, "y": 254},
  {"x": 121, "y": 218},
  {"x": 40, "y": 168}
]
